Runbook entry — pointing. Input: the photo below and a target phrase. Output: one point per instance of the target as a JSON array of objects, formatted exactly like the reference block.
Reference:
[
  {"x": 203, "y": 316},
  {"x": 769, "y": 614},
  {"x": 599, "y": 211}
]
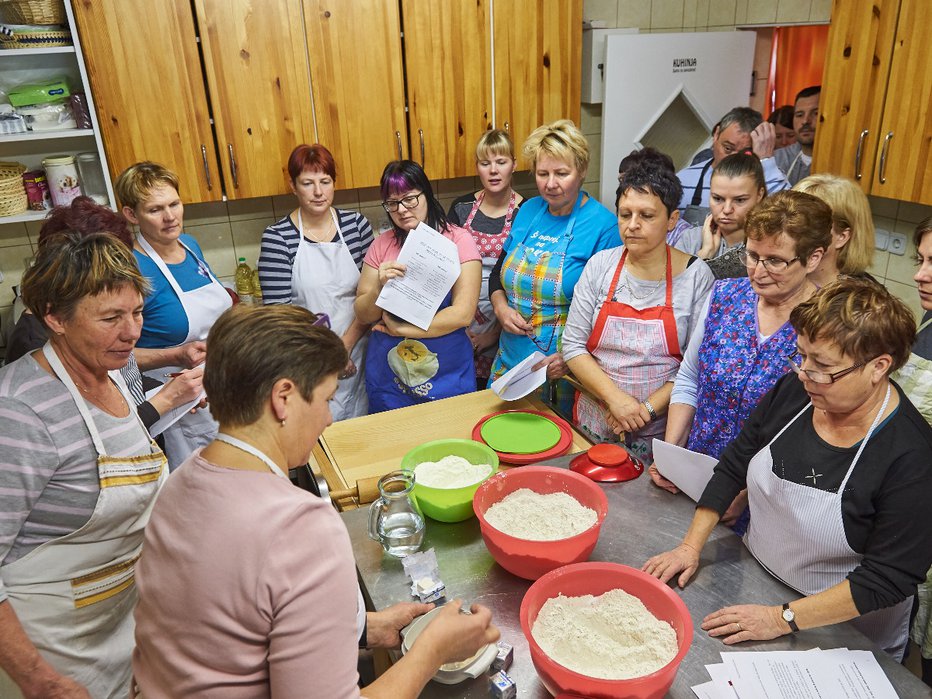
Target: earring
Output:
[{"x": 283, "y": 422}]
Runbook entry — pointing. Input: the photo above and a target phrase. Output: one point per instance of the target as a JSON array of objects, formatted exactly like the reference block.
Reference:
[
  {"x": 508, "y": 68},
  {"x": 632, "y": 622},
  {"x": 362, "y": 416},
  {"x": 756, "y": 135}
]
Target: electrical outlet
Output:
[
  {"x": 881, "y": 239},
  {"x": 897, "y": 244}
]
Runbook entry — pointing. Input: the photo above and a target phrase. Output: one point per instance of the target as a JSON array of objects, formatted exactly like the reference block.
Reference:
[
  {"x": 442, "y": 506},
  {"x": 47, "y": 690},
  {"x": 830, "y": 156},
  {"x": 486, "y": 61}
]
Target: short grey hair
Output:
[{"x": 746, "y": 118}]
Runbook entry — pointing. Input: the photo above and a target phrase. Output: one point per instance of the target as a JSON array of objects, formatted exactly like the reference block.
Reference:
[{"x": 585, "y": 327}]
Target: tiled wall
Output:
[{"x": 230, "y": 230}]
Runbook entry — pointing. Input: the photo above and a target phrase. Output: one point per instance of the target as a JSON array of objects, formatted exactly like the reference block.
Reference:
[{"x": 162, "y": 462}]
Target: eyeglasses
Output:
[
  {"x": 823, "y": 377},
  {"x": 391, "y": 205},
  {"x": 771, "y": 264}
]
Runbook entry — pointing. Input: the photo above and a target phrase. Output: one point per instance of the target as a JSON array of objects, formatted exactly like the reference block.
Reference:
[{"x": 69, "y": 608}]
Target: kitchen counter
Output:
[{"x": 642, "y": 520}]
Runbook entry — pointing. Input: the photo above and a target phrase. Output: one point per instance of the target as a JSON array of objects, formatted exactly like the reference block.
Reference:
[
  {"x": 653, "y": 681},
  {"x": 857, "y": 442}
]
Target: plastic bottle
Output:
[
  {"x": 243, "y": 281},
  {"x": 256, "y": 288}
]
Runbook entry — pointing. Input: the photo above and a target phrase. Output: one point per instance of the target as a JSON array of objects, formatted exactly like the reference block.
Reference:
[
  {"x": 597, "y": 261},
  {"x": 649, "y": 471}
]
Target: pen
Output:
[{"x": 173, "y": 374}]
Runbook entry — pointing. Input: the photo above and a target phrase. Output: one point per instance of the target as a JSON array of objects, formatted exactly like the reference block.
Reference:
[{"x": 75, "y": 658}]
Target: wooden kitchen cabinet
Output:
[
  {"x": 150, "y": 104},
  {"x": 256, "y": 67},
  {"x": 357, "y": 79},
  {"x": 875, "y": 119}
]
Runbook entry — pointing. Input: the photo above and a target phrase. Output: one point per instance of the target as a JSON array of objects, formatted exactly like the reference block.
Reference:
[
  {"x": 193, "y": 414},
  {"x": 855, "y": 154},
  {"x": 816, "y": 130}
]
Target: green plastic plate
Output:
[{"x": 520, "y": 433}]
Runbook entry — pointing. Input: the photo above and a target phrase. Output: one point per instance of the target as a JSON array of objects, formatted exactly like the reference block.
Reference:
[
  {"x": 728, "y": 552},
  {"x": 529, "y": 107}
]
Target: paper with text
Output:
[{"x": 172, "y": 416}]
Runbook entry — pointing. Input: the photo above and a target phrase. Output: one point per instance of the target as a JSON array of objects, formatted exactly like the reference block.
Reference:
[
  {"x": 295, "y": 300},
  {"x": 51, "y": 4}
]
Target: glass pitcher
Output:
[{"x": 395, "y": 520}]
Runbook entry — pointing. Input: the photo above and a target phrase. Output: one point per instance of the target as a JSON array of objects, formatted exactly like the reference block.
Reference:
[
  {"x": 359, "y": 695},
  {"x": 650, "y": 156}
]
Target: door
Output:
[
  {"x": 448, "y": 66},
  {"x": 854, "y": 85},
  {"x": 256, "y": 67},
  {"x": 538, "y": 55},
  {"x": 145, "y": 74},
  {"x": 904, "y": 160},
  {"x": 357, "y": 79}
]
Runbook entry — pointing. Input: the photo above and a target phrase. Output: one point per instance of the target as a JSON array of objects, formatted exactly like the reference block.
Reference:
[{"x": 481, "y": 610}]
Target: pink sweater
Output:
[{"x": 247, "y": 588}]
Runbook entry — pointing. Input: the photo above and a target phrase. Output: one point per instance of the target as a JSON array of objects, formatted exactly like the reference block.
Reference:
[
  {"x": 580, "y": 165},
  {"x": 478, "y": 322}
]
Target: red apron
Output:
[{"x": 639, "y": 350}]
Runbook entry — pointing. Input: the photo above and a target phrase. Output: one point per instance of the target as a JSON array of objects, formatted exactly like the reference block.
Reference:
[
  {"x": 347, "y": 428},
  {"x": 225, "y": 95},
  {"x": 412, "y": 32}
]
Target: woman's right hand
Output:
[
  {"x": 192, "y": 354},
  {"x": 185, "y": 387},
  {"x": 512, "y": 321},
  {"x": 455, "y": 636},
  {"x": 390, "y": 270},
  {"x": 660, "y": 481},
  {"x": 55, "y": 686},
  {"x": 711, "y": 239},
  {"x": 683, "y": 559},
  {"x": 625, "y": 413}
]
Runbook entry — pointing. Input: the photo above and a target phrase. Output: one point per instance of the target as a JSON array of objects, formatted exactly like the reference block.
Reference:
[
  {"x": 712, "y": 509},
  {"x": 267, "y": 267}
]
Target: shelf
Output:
[
  {"x": 44, "y": 135},
  {"x": 25, "y": 216},
  {"x": 36, "y": 52}
]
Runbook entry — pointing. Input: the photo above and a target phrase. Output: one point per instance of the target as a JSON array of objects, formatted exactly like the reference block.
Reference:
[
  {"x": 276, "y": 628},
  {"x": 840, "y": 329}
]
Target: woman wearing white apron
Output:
[
  {"x": 80, "y": 478},
  {"x": 312, "y": 258},
  {"x": 836, "y": 463},
  {"x": 185, "y": 300}
]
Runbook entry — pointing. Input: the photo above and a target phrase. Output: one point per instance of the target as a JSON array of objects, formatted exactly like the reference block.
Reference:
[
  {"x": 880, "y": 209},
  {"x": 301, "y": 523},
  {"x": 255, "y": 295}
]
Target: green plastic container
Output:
[{"x": 449, "y": 504}]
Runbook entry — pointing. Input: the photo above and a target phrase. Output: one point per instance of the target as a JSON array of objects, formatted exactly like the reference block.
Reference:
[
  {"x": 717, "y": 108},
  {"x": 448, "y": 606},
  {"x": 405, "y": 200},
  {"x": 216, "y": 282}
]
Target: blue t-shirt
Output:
[
  {"x": 164, "y": 322},
  {"x": 596, "y": 229}
]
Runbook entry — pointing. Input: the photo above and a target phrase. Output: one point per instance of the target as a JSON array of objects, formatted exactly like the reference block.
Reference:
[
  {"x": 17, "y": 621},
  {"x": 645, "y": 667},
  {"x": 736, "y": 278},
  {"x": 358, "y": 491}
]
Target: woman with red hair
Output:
[{"x": 312, "y": 258}]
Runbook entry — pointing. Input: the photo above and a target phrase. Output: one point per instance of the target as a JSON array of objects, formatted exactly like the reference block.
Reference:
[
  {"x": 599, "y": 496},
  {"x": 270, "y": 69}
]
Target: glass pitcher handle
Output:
[{"x": 375, "y": 509}]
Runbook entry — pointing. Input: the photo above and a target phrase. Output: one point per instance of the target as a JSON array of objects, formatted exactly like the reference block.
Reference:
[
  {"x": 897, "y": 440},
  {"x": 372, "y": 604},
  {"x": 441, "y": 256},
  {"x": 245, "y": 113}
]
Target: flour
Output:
[
  {"x": 450, "y": 472},
  {"x": 612, "y": 636},
  {"x": 525, "y": 514}
]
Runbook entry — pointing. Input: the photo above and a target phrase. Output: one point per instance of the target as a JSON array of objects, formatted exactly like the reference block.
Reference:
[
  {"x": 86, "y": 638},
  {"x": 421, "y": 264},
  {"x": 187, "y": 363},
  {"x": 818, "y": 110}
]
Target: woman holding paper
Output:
[
  {"x": 836, "y": 465},
  {"x": 645, "y": 290},
  {"x": 407, "y": 364}
]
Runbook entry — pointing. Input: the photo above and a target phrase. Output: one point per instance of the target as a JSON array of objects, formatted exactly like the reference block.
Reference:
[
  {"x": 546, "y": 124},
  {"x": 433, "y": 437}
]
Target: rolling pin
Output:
[{"x": 365, "y": 490}]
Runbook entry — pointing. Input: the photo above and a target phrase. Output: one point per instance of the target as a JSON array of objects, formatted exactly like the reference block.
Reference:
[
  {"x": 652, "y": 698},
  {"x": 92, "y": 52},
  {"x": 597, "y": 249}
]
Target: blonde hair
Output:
[
  {"x": 136, "y": 182},
  {"x": 851, "y": 210},
  {"x": 560, "y": 140},
  {"x": 495, "y": 142}
]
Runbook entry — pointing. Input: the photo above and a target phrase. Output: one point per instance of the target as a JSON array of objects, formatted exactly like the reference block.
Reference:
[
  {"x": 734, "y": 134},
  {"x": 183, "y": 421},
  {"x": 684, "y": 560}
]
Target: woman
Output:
[
  {"x": 312, "y": 258},
  {"x": 737, "y": 186},
  {"x": 746, "y": 334},
  {"x": 652, "y": 156},
  {"x": 228, "y": 563},
  {"x": 915, "y": 378},
  {"x": 79, "y": 479},
  {"x": 852, "y": 248},
  {"x": 836, "y": 464},
  {"x": 185, "y": 298},
  {"x": 553, "y": 237},
  {"x": 83, "y": 216},
  {"x": 488, "y": 215},
  {"x": 407, "y": 365},
  {"x": 782, "y": 120},
  {"x": 645, "y": 290}
]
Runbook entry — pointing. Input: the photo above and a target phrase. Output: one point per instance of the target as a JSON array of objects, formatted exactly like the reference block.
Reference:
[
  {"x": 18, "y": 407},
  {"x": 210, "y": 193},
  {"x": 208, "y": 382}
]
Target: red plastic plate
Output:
[{"x": 561, "y": 447}]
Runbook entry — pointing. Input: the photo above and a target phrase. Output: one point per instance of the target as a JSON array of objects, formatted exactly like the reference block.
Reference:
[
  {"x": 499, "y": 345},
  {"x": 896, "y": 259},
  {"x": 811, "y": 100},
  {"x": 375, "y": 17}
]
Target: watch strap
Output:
[
  {"x": 650, "y": 409},
  {"x": 790, "y": 618}
]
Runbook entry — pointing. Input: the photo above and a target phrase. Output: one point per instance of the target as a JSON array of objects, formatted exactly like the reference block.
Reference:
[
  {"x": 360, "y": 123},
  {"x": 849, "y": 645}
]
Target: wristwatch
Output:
[
  {"x": 650, "y": 409},
  {"x": 789, "y": 616}
]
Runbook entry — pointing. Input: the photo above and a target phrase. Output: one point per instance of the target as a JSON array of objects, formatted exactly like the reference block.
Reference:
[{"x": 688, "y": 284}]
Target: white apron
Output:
[
  {"x": 202, "y": 306},
  {"x": 798, "y": 534},
  {"x": 75, "y": 595},
  {"x": 324, "y": 280}
]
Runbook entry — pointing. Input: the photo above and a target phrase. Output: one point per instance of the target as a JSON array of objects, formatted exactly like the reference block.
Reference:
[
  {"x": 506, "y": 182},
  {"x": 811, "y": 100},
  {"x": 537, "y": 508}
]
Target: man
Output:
[
  {"x": 795, "y": 161},
  {"x": 742, "y": 128}
]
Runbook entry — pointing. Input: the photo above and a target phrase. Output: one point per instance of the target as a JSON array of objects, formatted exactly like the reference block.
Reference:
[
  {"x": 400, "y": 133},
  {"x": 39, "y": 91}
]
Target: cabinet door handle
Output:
[
  {"x": 420, "y": 133},
  {"x": 883, "y": 157},
  {"x": 398, "y": 140},
  {"x": 210, "y": 185},
  {"x": 507, "y": 126},
  {"x": 857, "y": 154},
  {"x": 233, "y": 172}
]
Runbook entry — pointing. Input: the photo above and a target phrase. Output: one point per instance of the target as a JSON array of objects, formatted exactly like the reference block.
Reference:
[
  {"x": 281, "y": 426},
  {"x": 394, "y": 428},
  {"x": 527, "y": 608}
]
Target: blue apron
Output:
[{"x": 402, "y": 372}]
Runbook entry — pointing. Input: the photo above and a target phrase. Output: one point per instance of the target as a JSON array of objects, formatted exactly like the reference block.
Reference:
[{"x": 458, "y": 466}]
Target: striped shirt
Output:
[
  {"x": 280, "y": 245},
  {"x": 48, "y": 465},
  {"x": 689, "y": 178}
]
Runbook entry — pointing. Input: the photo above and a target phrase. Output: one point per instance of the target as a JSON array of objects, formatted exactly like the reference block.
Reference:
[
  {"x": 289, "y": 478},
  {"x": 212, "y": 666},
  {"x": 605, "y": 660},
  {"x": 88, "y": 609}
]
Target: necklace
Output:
[
  {"x": 623, "y": 284},
  {"x": 326, "y": 235}
]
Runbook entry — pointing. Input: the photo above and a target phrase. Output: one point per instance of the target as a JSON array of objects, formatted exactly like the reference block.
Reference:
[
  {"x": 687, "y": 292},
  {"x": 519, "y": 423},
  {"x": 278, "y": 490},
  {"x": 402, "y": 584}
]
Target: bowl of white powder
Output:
[
  {"x": 446, "y": 475},
  {"x": 537, "y": 518},
  {"x": 606, "y": 630}
]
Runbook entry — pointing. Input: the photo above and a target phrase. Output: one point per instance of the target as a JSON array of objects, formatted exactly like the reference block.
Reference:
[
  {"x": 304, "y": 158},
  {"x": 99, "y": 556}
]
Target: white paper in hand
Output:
[
  {"x": 520, "y": 380},
  {"x": 432, "y": 266},
  {"x": 689, "y": 470}
]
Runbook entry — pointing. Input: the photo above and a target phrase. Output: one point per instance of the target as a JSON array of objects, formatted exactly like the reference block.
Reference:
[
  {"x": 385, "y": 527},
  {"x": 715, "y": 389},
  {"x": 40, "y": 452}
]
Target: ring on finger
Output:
[{"x": 738, "y": 624}]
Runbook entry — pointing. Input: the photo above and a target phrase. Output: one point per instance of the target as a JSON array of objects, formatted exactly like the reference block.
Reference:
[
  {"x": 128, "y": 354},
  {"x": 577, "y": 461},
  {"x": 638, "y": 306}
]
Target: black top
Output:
[{"x": 882, "y": 503}]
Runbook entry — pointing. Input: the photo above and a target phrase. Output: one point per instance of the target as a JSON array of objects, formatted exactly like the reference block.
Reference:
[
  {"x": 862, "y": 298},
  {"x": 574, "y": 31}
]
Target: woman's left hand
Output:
[
  {"x": 626, "y": 414},
  {"x": 556, "y": 367},
  {"x": 383, "y": 628},
  {"x": 482, "y": 341},
  {"x": 745, "y": 622}
]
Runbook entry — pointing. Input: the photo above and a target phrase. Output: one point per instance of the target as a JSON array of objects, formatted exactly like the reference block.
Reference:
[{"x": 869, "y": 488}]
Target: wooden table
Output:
[{"x": 373, "y": 445}]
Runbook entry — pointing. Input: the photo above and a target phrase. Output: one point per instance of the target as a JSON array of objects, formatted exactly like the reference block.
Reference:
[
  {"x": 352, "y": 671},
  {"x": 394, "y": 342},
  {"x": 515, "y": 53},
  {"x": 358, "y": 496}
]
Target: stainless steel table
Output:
[{"x": 642, "y": 520}]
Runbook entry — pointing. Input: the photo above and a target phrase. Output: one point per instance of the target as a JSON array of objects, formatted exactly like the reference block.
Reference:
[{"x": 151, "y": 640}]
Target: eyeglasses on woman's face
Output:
[
  {"x": 409, "y": 202},
  {"x": 824, "y": 377},
  {"x": 771, "y": 264}
]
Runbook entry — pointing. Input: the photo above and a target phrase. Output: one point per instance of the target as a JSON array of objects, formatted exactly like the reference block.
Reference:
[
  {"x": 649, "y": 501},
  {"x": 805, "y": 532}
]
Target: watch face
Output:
[{"x": 788, "y": 615}]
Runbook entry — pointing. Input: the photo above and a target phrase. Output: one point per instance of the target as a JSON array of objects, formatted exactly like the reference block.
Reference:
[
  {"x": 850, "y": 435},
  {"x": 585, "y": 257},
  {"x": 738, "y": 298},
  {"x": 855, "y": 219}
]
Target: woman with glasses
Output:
[
  {"x": 488, "y": 216},
  {"x": 553, "y": 237},
  {"x": 312, "y": 258},
  {"x": 405, "y": 364},
  {"x": 835, "y": 460},
  {"x": 741, "y": 351},
  {"x": 644, "y": 290}
]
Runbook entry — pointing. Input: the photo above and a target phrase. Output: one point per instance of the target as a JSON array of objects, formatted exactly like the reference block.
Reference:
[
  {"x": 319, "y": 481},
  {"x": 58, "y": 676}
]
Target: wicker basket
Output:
[
  {"x": 33, "y": 12},
  {"x": 31, "y": 39},
  {"x": 12, "y": 204}
]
